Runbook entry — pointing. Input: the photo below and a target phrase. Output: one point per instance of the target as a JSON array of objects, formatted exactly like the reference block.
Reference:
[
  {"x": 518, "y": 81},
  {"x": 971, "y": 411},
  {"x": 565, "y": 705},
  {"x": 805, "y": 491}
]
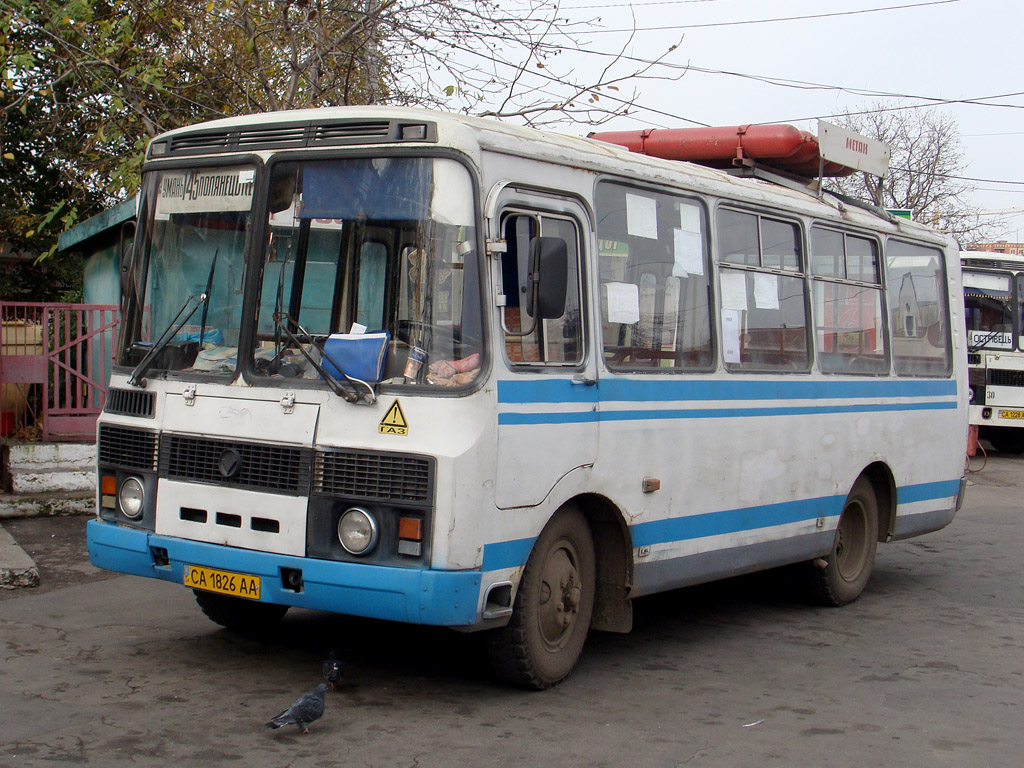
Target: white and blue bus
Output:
[
  {"x": 993, "y": 290},
  {"x": 441, "y": 370}
]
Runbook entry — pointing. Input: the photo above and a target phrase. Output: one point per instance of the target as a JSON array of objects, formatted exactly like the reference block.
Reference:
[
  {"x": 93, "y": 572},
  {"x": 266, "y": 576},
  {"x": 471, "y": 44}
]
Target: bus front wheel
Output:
[
  {"x": 237, "y": 613},
  {"x": 848, "y": 566},
  {"x": 551, "y": 614}
]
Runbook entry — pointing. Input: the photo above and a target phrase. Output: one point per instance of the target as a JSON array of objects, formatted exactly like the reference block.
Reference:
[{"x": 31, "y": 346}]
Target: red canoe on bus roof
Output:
[{"x": 783, "y": 147}]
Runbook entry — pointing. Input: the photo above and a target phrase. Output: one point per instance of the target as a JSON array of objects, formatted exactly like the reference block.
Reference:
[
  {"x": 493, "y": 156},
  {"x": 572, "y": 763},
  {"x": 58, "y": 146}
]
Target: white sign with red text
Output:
[{"x": 853, "y": 150}]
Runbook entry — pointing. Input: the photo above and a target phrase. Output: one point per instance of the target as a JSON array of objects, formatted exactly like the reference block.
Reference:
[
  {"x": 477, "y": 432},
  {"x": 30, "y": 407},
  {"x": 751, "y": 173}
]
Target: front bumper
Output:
[{"x": 411, "y": 595}]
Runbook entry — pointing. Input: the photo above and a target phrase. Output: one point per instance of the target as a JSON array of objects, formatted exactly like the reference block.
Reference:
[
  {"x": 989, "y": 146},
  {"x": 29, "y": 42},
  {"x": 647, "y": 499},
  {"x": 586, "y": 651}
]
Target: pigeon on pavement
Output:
[
  {"x": 307, "y": 708},
  {"x": 334, "y": 670}
]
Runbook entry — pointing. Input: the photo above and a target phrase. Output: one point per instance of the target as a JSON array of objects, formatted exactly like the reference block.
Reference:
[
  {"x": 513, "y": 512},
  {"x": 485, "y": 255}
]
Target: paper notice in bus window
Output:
[
  {"x": 689, "y": 255},
  {"x": 734, "y": 290},
  {"x": 623, "y": 303},
  {"x": 766, "y": 291},
  {"x": 689, "y": 217},
  {"x": 731, "y": 335},
  {"x": 642, "y": 216}
]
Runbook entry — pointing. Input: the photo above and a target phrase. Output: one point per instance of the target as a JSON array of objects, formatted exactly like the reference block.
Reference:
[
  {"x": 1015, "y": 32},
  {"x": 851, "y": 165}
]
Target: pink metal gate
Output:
[{"x": 54, "y": 366}]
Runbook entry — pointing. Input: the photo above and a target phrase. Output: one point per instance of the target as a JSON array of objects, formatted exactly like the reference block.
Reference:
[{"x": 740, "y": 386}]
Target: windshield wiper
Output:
[
  {"x": 282, "y": 320},
  {"x": 176, "y": 325},
  {"x": 206, "y": 305}
]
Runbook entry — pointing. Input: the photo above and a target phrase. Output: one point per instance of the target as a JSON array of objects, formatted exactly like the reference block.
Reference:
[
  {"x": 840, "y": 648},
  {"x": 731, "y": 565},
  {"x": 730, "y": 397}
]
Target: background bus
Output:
[
  {"x": 995, "y": 348},
  {"x": 589, "y": 375}
]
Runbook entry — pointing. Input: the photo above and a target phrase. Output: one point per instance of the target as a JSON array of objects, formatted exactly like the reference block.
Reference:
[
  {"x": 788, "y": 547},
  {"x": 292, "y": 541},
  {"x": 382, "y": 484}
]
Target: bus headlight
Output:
[
  {"x": 132, "y": 498},
  {"x": 357, "y": 531}
]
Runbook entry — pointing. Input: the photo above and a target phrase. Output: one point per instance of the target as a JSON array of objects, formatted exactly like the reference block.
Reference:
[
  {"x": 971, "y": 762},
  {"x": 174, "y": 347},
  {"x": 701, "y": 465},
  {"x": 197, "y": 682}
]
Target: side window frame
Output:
[
  {"x": 748, "y": 286},
  {"x": 914, "y": 329},
  {"x": 654, "y": 317},
  {"x": 567, "y": 334},
  {"x": 833, "y": 361}
]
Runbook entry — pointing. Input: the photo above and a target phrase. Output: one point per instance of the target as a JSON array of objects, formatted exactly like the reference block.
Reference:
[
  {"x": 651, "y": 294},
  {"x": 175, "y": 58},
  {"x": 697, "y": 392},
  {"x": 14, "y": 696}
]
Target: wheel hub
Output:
[
  {"x": 851, "y": 548},
  {"x": 560, "y": 597}
]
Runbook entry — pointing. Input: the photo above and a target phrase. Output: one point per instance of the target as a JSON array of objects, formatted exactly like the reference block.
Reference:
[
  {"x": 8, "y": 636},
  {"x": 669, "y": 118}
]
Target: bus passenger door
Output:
[{"x": 547, "y": 393}]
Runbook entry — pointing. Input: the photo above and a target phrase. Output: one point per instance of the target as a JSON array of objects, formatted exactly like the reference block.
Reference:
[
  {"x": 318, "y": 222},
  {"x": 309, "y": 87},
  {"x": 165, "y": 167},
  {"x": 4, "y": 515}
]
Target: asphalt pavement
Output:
[{"x": 924, "y": 670}]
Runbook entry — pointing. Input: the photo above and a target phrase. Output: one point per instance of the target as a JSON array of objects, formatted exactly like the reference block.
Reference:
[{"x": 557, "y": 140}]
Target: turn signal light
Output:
[
  {"x": 108, "y": 485},
  {"x": 410, "y": 528}
]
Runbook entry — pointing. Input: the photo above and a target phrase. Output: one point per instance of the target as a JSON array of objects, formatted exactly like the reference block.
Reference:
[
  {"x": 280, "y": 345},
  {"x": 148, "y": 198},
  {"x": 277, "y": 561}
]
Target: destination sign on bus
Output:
[
  {"x": 990, "y": 339},
  {"x": 853, "y": 150},
  {"x": 220, "y": 189}
]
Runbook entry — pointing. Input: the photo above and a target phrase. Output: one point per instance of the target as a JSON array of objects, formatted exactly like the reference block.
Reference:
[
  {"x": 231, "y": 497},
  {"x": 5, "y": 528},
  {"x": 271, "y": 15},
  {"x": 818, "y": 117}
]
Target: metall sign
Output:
[{"x": 853, "y": 150}]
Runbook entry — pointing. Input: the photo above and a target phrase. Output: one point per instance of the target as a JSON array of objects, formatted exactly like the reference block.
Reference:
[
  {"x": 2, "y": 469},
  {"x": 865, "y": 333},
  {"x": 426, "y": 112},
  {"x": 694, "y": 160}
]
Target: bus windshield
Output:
[
  {"x": 989, "y": 301},
  {"x": 184, "y": 299},
  {"x": 379, "y": 246}
]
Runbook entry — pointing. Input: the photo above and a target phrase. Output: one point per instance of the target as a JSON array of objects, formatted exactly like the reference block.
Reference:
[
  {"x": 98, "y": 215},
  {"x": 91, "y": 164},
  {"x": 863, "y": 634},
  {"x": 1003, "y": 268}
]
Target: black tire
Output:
[
  {"x": 848, "y": 566},
  {"x": 1005, "y": 439},
  {"x": 237, "y": 613},
  {"x": 551, "y": 614}
]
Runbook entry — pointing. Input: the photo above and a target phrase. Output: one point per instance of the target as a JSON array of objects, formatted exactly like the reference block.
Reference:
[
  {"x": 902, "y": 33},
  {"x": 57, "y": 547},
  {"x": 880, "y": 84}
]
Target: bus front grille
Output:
[
  {"x": 127, "y": 448},
  {"x": 370, "y": 475},
  {"x": 255, "y": 466},
  {"x": 130, "y": 402},
  {"x": 1000, "y": 377}
]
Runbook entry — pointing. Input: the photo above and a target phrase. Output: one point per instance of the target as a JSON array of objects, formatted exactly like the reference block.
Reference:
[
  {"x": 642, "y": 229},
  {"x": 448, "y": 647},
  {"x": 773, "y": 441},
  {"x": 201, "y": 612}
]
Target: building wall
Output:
[
  {"x": 1002, "y": 246},
  {"x": 101, "y": 276}
]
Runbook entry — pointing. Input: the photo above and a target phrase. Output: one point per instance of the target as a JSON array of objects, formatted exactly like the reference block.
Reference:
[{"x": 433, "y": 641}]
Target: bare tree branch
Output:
[{"x": 924, "y": 169}]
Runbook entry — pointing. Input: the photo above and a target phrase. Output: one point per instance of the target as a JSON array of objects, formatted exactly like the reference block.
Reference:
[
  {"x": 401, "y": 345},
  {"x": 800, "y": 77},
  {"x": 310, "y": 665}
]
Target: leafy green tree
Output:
[{"x": 86, "y": 83}]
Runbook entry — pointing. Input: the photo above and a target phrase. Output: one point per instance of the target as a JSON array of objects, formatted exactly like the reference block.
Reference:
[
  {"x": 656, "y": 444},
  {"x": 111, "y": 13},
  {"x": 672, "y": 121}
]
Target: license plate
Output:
[
  {"x": 1011, "y": 414},
  {"x": 224, "y": 582}
]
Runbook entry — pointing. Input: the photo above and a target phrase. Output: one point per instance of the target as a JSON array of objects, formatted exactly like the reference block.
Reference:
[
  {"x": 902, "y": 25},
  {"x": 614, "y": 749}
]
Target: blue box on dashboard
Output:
[{"x": 359, "y": 355}]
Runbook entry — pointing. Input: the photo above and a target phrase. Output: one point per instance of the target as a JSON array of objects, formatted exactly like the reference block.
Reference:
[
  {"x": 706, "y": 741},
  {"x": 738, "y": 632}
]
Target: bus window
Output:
[
  {"x": 193, "y": 247},
  {"x": 557, "y": 341},
  {"x": 848, "y": 315},
  {"x": 393, "y": 255},
  {"x": 764, "y": 313},
  {"x": 918, "y": 315},
  {"x": 373, "y": 264},
  {"x": 654, "y": 286}
]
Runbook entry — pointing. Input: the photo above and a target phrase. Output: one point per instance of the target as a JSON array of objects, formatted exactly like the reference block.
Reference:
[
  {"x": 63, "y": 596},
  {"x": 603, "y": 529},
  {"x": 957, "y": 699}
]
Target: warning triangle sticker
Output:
[{"x": 394, "y": 422}]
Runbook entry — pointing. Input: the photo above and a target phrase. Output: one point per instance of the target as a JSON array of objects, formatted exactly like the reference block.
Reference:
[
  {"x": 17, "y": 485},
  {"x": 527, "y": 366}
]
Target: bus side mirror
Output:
[
  {"x": 548, "y": 277},
  {"x": 126, "y": 249},
  {"x": 126, "y": 268}
]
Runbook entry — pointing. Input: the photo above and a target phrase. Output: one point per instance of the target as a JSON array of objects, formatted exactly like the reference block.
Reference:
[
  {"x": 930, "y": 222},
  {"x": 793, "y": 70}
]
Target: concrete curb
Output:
[
  {"x": 17, "y": 569},
  {"x": 15, "y": 505}
]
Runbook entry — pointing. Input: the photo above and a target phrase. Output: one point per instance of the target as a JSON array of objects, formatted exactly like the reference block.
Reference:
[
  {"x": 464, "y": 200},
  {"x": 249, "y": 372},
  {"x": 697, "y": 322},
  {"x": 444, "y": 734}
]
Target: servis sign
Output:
[{"x": 853, "y": 150}]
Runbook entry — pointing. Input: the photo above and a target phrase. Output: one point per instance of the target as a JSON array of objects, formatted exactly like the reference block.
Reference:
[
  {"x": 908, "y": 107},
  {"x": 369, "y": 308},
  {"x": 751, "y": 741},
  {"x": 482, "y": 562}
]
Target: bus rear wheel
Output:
[
  {"x": 551, "y": 615},
  {"x": 848, "y": 566},
  {"x": 237, "y": 613}
]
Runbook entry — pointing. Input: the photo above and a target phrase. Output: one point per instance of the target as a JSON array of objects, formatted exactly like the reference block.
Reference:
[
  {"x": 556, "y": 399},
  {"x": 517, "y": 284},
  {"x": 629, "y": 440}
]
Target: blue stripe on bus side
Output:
[
  {"x": 506, "y": 554},
  {"x": 734, "y": 520},
  {"x": 513, "y": 554},
  {"x": 908, "y": 494},
  {"x": 612, "y": 389},
  {"x": 580, "y": 417}
]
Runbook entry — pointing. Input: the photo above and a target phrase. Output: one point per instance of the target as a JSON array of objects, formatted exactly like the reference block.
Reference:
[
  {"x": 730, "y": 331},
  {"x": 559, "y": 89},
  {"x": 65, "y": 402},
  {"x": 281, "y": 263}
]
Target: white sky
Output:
[{"x": 945, "y": 50}]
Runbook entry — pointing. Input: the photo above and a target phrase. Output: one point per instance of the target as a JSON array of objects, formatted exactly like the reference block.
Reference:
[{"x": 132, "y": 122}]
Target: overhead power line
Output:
[
  {"x": 632, "y": 5},
  {"x": 745, "y": 22}
]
